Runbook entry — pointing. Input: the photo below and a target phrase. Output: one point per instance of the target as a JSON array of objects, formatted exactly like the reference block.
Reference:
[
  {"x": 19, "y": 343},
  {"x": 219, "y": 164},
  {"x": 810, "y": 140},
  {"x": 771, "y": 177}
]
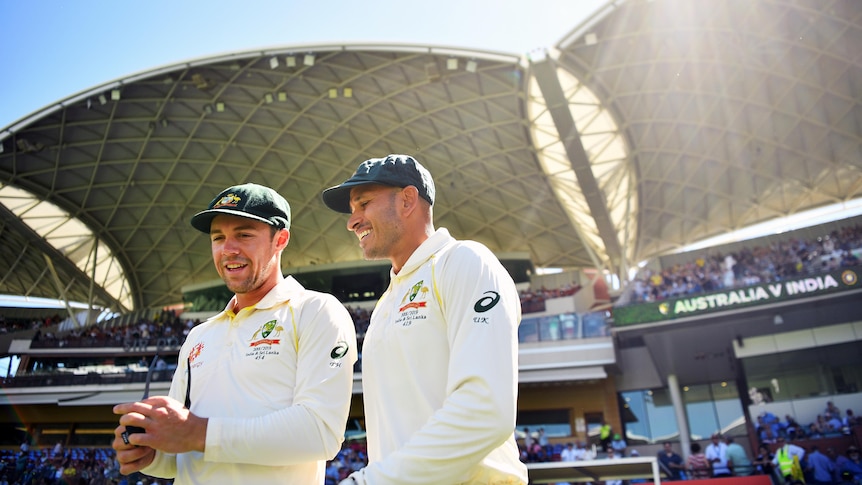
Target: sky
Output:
[{"x": 53, "y": 49}]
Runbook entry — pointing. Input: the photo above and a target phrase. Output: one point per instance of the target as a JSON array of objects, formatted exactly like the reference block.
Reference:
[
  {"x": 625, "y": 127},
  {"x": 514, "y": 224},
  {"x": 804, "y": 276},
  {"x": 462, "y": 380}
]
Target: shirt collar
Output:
[{"x": 425, "y": 250}]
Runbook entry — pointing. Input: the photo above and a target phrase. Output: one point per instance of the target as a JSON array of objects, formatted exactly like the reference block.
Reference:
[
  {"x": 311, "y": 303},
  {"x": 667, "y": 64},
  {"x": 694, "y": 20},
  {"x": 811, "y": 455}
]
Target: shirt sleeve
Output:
[
  {"x": 482, "y": 311},
  {"x": 312, "y": 428}
]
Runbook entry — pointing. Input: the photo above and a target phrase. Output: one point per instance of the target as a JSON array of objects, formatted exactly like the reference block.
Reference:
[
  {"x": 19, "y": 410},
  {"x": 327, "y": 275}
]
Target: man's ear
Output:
[
  {"x": 282, "y": 238},
  {"x": 409, "y": 197}
]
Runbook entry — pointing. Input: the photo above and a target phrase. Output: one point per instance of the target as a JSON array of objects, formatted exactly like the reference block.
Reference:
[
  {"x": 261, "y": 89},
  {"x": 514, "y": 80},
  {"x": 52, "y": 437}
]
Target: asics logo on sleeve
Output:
[
  {"x": 487, "y": 302},
  {"x": 339, "y": 351}
]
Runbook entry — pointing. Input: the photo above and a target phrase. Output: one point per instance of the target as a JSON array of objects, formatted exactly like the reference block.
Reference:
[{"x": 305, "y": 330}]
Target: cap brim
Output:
[
  {"x": 337, "y": 198},
  {"x": 203, "y": 219}
]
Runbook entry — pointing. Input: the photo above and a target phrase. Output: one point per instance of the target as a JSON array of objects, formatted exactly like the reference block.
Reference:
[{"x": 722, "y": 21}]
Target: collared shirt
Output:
[
  {"x": 718, "y": 451},
  {"x": 440, "y": 370},
  {"x": 822, "y": 467},
  {"x": 275, "y": 381}
]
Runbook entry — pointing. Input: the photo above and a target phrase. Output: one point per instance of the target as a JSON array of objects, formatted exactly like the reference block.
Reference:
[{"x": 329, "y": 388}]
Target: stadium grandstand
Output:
[{"x": 617, "y": 174}]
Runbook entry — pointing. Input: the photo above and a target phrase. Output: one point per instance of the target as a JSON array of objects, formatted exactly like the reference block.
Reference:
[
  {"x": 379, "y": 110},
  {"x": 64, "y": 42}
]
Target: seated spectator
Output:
[
  {"x": 568, "y": 453},
  {"x": 833, "y": 424},
  {"x": 813, "y": 432},
  {"x": 791, "y": 428},
  {"x": 850, "y": 468},
  {"x": 619, "y": 445},
  {"x": 850, "y": 420},
  {"x": 832, "y": 410},
  {"x": 582, "y": 453}
]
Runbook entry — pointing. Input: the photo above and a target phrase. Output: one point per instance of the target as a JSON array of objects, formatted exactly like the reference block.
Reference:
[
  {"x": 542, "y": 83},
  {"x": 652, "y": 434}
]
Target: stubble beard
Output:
[
  {"x": 386, "y": 238},
  {"x": 249, "y": 284}
]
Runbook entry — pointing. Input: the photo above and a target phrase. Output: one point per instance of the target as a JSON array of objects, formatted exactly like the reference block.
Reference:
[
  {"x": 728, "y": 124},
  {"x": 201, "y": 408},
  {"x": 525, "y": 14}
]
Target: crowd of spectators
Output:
[
  {"x": 533, "y": 301},
  {"x": 773, "y": 262},
  {"x": 11, "y": 325},
  {"x": 815, "y": 465},
  {"x": 351, "y": 458},
  {"x": 832, "y": 422},
  {"x": 56, "y": 465},
  {"x": 166, "y": 328}
]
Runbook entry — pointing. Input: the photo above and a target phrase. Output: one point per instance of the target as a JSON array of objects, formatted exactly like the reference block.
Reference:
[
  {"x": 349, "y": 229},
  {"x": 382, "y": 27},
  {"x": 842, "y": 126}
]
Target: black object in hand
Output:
[
  {"x": 129, "y": 431},
  {"x": 137, "y": 429}
]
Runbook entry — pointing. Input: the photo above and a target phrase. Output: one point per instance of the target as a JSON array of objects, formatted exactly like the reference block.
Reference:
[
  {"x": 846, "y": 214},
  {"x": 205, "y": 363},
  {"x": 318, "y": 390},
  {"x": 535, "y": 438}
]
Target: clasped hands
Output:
[{"x": 168, "y": 427}]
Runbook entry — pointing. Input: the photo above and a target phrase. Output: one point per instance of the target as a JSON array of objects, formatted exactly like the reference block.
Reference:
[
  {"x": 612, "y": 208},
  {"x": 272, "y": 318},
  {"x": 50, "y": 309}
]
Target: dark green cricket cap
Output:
[
  {"x": 394, "y": 170},
  {"x": 252, "y": 201}
]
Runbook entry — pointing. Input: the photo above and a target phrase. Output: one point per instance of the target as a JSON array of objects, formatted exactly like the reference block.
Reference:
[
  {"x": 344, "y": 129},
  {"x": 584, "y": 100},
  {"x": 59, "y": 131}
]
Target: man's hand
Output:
[
  {"x": 132, "y": 458},
  {"x": 169, "y": 427}
]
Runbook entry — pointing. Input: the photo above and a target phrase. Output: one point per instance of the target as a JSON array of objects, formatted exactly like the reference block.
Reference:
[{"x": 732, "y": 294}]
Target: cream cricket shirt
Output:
[
  {"x": 439, "y": 371},
  {"x": 275, "y": 381}
]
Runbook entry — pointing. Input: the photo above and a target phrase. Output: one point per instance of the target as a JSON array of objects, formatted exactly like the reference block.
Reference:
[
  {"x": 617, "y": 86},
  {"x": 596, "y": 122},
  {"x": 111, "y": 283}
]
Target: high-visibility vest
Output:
[{"x": 785, "y": 461}]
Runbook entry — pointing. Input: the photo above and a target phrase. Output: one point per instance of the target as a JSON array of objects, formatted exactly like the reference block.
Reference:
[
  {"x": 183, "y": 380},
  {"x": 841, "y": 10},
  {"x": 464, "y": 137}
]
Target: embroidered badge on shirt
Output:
[
  {"x": 196, "y": 351},
  {"x": 270, "y": 328},
  {"x": 415, "y": 301},
  {"x": 411, "y": 295}
]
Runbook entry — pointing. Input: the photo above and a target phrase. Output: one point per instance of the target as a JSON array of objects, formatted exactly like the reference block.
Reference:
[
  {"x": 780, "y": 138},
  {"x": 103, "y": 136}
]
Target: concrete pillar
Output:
[{"x": 681, "y": 418}]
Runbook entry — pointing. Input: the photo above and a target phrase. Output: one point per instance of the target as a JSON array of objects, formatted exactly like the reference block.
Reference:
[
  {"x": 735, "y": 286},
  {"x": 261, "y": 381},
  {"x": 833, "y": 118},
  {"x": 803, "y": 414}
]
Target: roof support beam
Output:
[
  {"x": 60, "y": 289},
  {"x": 545, "y": 71},
  {"x": 58, "y": 260}
]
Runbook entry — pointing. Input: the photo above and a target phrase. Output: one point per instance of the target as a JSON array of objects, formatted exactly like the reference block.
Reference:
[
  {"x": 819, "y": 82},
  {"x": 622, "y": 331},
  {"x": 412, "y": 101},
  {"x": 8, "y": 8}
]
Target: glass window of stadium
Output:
[
  {"x": 556, "y": 422},
  {"x": 714, "y": 407},
  {"x": 650, "y": 418},
  {"x": 800, "y": 382}
]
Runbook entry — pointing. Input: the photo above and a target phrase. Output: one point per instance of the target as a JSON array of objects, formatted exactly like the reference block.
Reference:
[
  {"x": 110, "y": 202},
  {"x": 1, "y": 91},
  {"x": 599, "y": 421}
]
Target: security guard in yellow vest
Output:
[{"x": 784, "y": 454}]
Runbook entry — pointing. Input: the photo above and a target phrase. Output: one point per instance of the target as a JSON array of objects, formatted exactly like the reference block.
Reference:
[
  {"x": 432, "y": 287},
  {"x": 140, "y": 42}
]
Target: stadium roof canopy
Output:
[{"x": 652, "y": 125}]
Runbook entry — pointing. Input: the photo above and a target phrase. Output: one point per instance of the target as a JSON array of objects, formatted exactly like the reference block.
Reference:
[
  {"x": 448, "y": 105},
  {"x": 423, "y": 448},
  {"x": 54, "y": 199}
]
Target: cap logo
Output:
[{"x": 230, "y": 200}]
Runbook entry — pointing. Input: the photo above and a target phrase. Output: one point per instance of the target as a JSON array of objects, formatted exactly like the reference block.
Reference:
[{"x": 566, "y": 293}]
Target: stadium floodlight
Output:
[
  {"x": 273, "y": 62},
  {"x": 115, "y": 95},
  {"x": 451, "y": 64},
  {"x": 471, "y": 66},
  {"x": 102, "y": 99},
  {"x": 308, "y": 60},
  {"x": 268, "y": 98},
  {"x": 348, "y": 92},
  {"x": 291, "y": 61}
]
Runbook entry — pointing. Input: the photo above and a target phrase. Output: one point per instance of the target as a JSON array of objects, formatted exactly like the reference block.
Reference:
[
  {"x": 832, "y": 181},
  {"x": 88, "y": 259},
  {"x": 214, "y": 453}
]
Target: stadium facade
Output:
[{"x": 653, "y": 125}]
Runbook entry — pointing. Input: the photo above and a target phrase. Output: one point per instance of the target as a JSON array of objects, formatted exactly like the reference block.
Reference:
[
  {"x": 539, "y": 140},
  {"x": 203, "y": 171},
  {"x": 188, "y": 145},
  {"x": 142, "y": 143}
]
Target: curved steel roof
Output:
[{"x": 680, "y": 120}]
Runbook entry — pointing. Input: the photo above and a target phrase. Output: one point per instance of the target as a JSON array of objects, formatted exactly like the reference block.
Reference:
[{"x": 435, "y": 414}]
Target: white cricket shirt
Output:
[{"x": 275, "y": 382}]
